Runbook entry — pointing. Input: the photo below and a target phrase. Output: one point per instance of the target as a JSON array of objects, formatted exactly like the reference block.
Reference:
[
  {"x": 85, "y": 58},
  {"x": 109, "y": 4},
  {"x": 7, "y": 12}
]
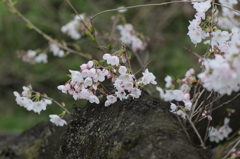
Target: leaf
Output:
[
  {"x": 29, "y": 86},
  {"x": 70, "y": 76},
  {"x": 110, "y": 47},
  {"x": 102, "y": 62},
  {"x": 129, "y": 55},
  {"x": 13, "y": 2},
  {"x": 29, "y": 26},
  {"x": 89, "y": 35},
  {"x": 64, "y": 43},
  {"x": 91, "y": 28},
  {"x": 77, "y": 47},
  {"x": 67, "y": 53},
  {"x": 89, "y": 55},
  {"x": 95, "y": 62}
]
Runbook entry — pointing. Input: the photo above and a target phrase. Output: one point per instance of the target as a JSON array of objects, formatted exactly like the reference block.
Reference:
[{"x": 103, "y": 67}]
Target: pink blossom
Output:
[
  {"x": 90, "y": 64},
  {"x": 121, "y": 95},
  {"x": 84, "y": 66}
]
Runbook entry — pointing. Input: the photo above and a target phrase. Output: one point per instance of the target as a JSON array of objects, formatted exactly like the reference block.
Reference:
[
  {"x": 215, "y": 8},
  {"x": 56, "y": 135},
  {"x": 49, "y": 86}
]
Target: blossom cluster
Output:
[
  {"x": 181, "y": 94},
  {"x": 222, "y": 73},
  {"x": 32, "y": 102},
  {"x": 129, "y": 37},
  {"x": 73, "y": 28},
  {"x": 195, "y": 31},
  {"x": 33, "y": 57},
  {"x": 221, "y": 65},
  {"x": 26, "y": 100},
  {"x": 84, "y": 83},
  {"x": 216, "y": 135}
]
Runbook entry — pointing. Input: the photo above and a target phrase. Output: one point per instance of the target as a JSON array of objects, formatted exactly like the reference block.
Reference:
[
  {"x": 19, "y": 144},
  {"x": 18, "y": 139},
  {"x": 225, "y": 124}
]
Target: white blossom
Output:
[{"x": 57, "y": 120}]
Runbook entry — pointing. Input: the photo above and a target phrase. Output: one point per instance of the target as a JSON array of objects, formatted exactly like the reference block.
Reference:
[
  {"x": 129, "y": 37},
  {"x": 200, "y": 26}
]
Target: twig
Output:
[
  {"x": 143, "y": 67},
  {"x": 194, "y": 128},
  {"x": 192, "y": 52},
  {"x": 45, "y": 96},
  {"x": 138, "y": 6},
  {"x": 184, "y": 129}
]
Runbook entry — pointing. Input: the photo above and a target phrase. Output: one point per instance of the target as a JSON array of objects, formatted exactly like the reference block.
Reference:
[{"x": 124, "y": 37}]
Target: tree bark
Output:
[{"x": 129, "y": 129}]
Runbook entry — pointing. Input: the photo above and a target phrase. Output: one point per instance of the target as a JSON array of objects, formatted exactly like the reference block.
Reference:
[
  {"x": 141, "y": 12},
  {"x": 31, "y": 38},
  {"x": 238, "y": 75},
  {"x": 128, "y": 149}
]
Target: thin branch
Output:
[
  {"x": 226, "y": 102},
  {"x": 228, "y": 8},
  {"x": 184, "y": 129},
  {"x": 194, "y": 128},
  {"x": 138, "y": 6},
  {"x": 42, "y": 33},
  {"x": 195, "y": 103},
  {"x": 45, "y": 96},
  {"x": 194, "y": 53},
  {"x": 143, "y": 67},
  {"x": 60, "y": 105}
]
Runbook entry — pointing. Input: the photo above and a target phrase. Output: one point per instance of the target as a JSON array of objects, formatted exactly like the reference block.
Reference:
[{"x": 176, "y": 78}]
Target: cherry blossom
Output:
[
  {"x": 216, "y": 135},
  {"x": 33, "y": 57},
  {"x": 93, "y": 99},
  {"x": 57, "y": 120},
  {"x": 168, "y": 80},
  {"x": 72, "y": 28},
  {"x": 41, "y": 58},
  {"x": 24, "y": 100},
  {"x": 201, "y": 8},
  {"x": 56, "y": 50},
  {"x": 128, "y": 37},
  {"x": 110, "y": 100},
  {"x": 148, "y": 78},
  {"x": 173, "y": 107}
]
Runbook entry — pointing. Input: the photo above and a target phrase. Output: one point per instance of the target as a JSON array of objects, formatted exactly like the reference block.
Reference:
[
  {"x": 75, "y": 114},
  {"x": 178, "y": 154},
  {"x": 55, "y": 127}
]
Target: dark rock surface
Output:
[{"x": 130, "y": 129}]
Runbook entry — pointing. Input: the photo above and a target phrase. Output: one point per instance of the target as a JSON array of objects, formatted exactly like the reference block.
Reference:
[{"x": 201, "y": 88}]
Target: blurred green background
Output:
[{"x": 165, "y": 26}]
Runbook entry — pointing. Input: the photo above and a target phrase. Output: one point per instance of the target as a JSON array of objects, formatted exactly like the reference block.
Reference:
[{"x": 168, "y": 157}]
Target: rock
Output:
[{"x": 129, "y": 129}]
